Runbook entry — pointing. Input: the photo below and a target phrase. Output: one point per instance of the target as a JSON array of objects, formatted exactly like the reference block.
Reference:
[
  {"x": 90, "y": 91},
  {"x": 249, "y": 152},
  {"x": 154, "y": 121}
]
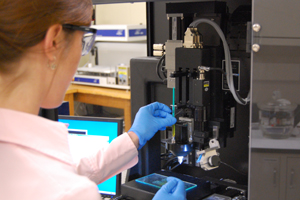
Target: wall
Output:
[
  {"x": 123, "y": 13},
  {"x": 115, "y": 53}
]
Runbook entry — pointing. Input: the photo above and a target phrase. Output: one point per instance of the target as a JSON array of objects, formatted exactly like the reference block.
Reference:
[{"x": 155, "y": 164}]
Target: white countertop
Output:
[{"x": 261, "y": 142}]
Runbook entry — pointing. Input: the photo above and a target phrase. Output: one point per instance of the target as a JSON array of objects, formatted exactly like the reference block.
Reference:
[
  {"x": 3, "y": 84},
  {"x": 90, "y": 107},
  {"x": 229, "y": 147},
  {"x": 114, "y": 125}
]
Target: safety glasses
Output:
[{"x": 88, "y": 38}]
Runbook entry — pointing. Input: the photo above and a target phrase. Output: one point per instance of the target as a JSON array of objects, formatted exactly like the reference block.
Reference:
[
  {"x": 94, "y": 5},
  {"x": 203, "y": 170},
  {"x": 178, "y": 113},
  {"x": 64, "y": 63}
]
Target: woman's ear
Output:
[{"x": 52, "y": 40}]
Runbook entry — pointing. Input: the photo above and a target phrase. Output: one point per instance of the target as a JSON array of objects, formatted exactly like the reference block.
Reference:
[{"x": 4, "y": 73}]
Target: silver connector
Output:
[
  {"x": 201, "y": 75},
  {"x": 192, "y": 38},
  {"x": 158, "y": 53},
  {"x": 159, "y": 47},
  {"x": 158, "y": 50},
  {"x": 204, "y": 68}
]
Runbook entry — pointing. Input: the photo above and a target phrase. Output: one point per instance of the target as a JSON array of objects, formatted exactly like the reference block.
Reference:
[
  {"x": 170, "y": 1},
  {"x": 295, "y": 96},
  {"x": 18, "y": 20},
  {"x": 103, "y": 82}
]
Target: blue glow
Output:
[
  {"x": 199, "y": 158},
  {"x": 158, "y": 180}
]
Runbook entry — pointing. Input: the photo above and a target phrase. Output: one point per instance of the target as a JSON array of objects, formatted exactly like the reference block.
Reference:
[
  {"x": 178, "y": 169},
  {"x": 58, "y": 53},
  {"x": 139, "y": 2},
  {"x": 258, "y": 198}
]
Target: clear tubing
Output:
[{"x": 229, "y": 75}]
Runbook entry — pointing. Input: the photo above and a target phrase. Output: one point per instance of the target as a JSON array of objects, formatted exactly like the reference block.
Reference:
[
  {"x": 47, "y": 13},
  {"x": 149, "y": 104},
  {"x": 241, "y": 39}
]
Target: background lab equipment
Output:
[
  {"x": 264, "y": 42},
  {"x": 108, "y": 63}
]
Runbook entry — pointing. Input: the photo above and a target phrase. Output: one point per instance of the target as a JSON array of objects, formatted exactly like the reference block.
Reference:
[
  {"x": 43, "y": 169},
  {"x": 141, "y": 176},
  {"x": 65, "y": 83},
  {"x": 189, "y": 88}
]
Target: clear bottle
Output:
[{"x": 277, "y": 117}]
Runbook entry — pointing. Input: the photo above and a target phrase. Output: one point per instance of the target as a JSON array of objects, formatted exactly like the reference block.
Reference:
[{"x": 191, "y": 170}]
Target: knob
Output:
[
  {"x": 255, "y": 47},
  {"x": 256, "y": 27},
  {"x": 214, "y": 161}
]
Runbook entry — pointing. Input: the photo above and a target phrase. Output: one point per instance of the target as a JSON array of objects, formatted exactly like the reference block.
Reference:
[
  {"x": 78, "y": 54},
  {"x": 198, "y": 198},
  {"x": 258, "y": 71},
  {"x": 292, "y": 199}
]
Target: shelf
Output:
[{"x": 258, "y": 141}]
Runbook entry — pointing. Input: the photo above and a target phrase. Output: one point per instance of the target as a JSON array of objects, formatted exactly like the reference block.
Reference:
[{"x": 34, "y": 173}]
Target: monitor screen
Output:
[{"x": 86, "y": 135}]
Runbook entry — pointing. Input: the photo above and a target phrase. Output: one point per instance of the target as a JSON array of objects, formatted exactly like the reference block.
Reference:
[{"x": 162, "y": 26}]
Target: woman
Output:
[{"x": 41, "y": 43}]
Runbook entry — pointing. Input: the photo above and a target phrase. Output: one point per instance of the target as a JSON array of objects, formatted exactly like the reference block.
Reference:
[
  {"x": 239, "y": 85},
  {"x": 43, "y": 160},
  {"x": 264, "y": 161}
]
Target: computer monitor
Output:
[{"x": 86, "y": 135}]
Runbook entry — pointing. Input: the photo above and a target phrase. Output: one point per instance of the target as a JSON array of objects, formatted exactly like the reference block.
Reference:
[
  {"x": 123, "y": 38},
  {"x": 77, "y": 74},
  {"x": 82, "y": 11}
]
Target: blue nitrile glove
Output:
[
  {"x": 172, "y": 190},
  {"x": 149, "y": 119}
]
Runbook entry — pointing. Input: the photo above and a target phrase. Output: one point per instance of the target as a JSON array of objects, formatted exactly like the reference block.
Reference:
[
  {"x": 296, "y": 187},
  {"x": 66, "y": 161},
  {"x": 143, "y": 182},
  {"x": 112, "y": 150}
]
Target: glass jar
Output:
[{"x": 276, "y": 118}]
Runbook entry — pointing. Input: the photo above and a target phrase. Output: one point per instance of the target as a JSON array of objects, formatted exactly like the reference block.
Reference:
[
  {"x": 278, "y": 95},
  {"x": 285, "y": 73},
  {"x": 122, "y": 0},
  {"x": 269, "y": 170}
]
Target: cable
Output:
[
  {"x": 212, "y": 68},
  {"x": 164, "y": 154},
  {"x": 169, "y": 161},
  {"x": 167, "y": 155},
  {"x": 228, "y": 66},
  {"x": 178, "y": 112},
  {"x": 174, "y": 167},
  {"x": 164, "y": 71},
  {"x": 234, "y": 168},
  {"x": 158, "y": 67},
  {"x": 218, "y": 69}
]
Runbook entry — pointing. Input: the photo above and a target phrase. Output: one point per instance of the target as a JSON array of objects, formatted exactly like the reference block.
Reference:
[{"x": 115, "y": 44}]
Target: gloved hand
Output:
[
  {"x": 172, "y": 190},
  {"x": 149, "y": 120}
]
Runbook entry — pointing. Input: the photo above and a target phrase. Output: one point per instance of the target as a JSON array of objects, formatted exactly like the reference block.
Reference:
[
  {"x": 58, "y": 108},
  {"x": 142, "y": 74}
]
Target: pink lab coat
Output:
[{"x": 36, "y": 164}]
